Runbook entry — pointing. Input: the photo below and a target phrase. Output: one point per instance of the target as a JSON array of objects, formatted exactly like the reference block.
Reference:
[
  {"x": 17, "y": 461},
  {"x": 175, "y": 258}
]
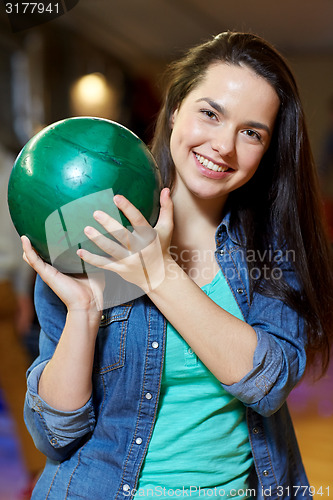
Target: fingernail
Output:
[{"x": 98, "y": 215}]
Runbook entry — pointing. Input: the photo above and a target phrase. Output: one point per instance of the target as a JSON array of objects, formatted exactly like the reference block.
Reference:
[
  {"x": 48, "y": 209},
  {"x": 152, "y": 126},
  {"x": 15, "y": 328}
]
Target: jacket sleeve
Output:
[
  {"x": 55, "y": 433},
  {"x": 279, "y": 359}
]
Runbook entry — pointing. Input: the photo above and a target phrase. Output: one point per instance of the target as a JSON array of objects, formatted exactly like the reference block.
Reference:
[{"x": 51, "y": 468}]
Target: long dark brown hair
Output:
[{"x": 282, "y": 198}]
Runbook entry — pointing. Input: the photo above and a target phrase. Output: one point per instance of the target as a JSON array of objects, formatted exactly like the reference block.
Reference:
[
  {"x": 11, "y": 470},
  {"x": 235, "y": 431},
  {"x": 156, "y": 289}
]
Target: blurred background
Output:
[{"x": 106, "y": 58}]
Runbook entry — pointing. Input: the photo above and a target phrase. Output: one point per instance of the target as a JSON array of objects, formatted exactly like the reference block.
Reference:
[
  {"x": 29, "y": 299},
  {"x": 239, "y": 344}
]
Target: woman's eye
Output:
[
  {"x": 253, "y": 134},
  {"x": 209, "y": 113}
]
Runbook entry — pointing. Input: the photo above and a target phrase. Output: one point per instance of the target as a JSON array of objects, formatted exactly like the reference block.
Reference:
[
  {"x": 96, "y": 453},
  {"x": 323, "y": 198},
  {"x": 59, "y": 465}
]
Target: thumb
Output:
[{"x": 164, "y": 225}]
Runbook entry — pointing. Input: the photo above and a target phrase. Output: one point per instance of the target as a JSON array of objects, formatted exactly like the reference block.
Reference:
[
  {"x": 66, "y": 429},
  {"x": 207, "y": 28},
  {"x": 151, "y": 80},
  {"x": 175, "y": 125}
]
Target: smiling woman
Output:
[
  {"x": 211, "y": 136},
  {"x": 184, "y": 389}
]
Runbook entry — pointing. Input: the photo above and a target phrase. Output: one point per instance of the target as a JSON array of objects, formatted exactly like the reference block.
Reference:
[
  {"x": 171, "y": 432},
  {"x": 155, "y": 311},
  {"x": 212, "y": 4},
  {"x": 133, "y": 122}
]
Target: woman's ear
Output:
[{"x": 173, "y": 117}]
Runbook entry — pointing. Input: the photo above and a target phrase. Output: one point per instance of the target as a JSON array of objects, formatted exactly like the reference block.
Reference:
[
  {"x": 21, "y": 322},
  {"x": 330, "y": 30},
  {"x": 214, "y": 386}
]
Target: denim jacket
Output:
[{"x": 97, "y": 451}]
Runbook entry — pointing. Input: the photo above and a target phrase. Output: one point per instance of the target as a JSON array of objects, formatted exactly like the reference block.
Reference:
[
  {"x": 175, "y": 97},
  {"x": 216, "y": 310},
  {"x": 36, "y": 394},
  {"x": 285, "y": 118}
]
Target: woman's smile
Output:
[{"x": 211, "y": 169}]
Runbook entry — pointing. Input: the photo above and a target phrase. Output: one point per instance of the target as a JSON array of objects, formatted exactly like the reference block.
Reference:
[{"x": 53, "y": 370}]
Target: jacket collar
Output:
[{"x": 225, "y": 231}]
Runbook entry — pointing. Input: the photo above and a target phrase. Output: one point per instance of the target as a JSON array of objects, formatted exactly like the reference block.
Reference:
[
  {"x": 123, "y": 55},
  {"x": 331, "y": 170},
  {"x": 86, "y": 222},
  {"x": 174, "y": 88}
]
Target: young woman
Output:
[{"x": 182, "y": 391}]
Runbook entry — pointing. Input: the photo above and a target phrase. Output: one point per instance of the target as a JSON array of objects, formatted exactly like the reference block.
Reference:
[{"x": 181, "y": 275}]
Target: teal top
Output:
[{"x": 200, "y": 439}]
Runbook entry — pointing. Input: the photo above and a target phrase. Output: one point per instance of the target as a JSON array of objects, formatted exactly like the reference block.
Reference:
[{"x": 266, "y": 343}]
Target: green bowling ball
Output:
[{"x": 66, "y": 172}]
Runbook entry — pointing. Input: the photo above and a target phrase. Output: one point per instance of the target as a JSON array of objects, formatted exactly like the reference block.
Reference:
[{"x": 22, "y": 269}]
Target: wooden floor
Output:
[{"x": 311, "y": 407}]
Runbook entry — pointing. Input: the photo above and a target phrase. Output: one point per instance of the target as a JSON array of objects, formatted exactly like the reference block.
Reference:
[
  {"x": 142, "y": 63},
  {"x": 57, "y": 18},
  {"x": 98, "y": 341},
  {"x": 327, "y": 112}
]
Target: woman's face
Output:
[{"x": 221, "y": 131}]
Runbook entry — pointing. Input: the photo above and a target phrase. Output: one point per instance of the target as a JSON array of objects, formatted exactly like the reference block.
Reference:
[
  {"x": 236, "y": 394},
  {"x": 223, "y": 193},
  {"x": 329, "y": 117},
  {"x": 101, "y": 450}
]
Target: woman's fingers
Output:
[
  {"x": 164, "y": 225},
  {"x": 77, "y": 292},
  {"x": 48, "y": 273},
  {"x": 144, "y": 268},
  {"x": 31, "y": 257},
  {"x": 166, "y": 211},
  {"x": 141, "y": 236},
  {"x": 114, "y": 228},
  {"x": 95, "y": 260},
  {"x": 110, "y": 247},
  {"x": 137, "y": 220}
]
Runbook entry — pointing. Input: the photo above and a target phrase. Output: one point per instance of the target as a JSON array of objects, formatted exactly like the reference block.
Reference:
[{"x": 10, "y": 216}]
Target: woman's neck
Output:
[{"x": 195, "y": 219}]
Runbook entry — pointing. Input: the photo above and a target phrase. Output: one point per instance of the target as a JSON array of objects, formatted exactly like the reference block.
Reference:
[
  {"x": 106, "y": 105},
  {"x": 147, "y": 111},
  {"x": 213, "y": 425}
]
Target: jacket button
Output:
[
  {"x": 54, "y": 441},
  {"x": 255, "y": 430},
  {"x": 138, "y": 441},
  {"x": 126, "y": 487},
  {"x": 240, "y": 290},
  {"x": 265, "y": 472},
  {"x": 154, "y": 345},
  {"x": 221, "y": 252},
  {"x": 148, "y": 395}
]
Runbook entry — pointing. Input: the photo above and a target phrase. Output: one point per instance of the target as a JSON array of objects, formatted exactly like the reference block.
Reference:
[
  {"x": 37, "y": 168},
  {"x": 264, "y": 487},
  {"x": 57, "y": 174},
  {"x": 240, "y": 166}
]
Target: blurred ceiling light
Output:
[{"x": 92, "y": 95}]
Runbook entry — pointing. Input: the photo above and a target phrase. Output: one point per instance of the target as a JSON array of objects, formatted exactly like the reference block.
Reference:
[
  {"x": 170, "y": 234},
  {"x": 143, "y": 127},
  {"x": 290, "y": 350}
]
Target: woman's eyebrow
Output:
[
  {"x": 221, "y": 109},
  {"x": 213, "y": 104},
  {"x": 259, "y": 125}
]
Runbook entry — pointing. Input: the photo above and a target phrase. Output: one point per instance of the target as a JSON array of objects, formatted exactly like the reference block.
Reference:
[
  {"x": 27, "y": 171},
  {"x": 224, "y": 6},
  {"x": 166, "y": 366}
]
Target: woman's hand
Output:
[
  {"x": 139, "y": 256},
  {"x": 79, "y": 292}
]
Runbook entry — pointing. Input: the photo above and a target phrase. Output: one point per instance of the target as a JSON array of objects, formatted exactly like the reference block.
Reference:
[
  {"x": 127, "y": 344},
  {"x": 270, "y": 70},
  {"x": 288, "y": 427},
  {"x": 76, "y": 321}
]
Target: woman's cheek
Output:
[{"x": 250, "y": 160}]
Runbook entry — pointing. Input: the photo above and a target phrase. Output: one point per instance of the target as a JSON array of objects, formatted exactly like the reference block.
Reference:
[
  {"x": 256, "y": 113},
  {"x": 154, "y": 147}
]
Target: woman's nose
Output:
[{"x": 224, "y": 141}]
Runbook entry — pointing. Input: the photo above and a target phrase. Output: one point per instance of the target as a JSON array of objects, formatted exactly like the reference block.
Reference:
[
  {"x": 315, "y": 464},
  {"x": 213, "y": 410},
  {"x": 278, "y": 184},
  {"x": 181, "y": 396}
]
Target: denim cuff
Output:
[
  {"x": 266, "y": 387},
  {"x": 62, "y": 427}
]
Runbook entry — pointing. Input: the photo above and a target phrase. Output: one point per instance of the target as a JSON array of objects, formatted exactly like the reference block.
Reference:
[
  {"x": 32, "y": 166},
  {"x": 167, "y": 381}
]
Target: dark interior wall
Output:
[{"x": 63, "y": 57}]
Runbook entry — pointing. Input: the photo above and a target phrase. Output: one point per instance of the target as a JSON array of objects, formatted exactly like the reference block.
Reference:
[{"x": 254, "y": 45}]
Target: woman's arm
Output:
[
  {"x": 224, "y": 343},
  {"x": 65, "y": 383}
]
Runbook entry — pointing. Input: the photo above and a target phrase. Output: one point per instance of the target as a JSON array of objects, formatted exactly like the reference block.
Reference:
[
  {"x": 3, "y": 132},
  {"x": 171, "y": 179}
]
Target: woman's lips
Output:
[{"x": 210, "y": 169}]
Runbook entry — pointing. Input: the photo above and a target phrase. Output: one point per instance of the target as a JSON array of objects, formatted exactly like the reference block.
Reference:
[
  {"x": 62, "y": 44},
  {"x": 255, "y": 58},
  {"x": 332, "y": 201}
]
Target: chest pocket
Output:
[{"x": 111, "y": 339}]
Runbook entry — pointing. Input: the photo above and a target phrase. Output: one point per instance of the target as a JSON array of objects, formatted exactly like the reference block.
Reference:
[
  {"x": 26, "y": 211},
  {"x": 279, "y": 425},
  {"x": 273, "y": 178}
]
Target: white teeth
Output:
[{"x": 210, "y": 165}]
